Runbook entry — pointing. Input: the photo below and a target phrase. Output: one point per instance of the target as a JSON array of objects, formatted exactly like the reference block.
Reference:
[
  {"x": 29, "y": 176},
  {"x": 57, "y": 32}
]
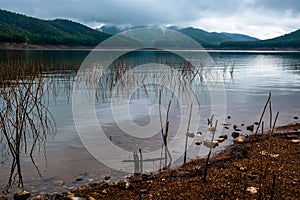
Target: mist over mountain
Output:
[{"x": 206, "y": 39}]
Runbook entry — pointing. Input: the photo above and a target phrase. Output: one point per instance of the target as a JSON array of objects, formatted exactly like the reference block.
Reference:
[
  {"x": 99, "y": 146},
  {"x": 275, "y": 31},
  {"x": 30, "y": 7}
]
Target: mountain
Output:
[
  {"x": 17, "y": 28},
  {"x": 213, "y": 39},
  {"x": 240, "y": 37},
  {"x": 206, "y": 39},
  {"x": 291, "y": 40}
]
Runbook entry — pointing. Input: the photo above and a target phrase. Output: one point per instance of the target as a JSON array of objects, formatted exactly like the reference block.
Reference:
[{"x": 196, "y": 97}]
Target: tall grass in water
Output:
[
  {"x": 25, "y": 120},
  {"x": 131, "y": 78}
]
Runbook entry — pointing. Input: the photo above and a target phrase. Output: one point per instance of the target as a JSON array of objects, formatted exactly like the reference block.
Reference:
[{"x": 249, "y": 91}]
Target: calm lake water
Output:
[{"x": 240, "y": 94}]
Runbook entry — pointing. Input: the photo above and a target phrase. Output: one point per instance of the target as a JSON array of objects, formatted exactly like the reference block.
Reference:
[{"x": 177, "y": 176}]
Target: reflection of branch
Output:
[
  {"x": 24, "y": 117},
  {"x": 165, "y": 132},
  {"x": 210, "y": 150},
  {"x": 187, "y": 132}
]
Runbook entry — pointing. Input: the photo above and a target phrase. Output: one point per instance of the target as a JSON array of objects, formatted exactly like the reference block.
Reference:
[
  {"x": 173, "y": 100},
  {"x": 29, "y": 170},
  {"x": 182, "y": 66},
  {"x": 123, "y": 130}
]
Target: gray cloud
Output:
[
  {"x": 245, "y": 16},
  {"x": 278, "y": 5}
]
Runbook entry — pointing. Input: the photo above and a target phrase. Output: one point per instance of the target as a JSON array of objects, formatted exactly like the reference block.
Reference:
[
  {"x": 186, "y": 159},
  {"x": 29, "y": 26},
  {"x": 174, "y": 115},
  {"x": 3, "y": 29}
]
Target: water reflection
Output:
[
  {"x": 25, "y": 123},
  {"x": 25, "y": 120},
  {"x": 166, "y": 78}
]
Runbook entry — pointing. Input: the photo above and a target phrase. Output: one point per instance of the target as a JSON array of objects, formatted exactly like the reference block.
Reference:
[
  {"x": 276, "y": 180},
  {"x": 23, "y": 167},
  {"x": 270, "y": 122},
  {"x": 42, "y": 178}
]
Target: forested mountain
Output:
[
  {"x": 240, "y": 37},
  {"x": 17, "y": 28},
  {"x": 291, "y": 40},
  {"x": 206, "y": 39}
]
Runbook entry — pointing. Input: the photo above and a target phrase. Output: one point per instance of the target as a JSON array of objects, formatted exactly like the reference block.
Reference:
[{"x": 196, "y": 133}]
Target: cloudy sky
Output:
[{"x": 259, "y": 18}]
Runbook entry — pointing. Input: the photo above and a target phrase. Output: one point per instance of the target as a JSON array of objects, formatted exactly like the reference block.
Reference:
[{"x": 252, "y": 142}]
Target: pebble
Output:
[
  {"x": 240, "y": 140},
  {"x": 228, "y": 117},
  {"x": 37, "y": 197},
  {"x": 71, "y": 188},
  {"x": 94, "y": 193},
  {"x": 104, "y": 191},
  {"x": 112, "y": 184},
  {"x": 127, "y": 184},
  {"x": 235, "y": 134},
  {"x": 239, "y": 166},
  {"x": 191, "y": 135},
  {"x": 106, "y": 178},
  {"x": 226, "y": 127},
  {"x": 256, "y": 123},
  {"x": 92, "y": 198},
  {"x": 220, "y": 139},
  {"x": 226, "y": 123},
  {"x": 243, "y": 168},
  {"x": 197, "y": 143},
  {"x": 81, "y": 177},
  {"x": 210, "y": 144},
  {"x": 212, "y": 129},
  {"x": 83, "y": 187},
  {"x": 199, "y": 133},
  {"x": 77, "y": 198},
  {"x": 250, "y": 127},
  {"x": 57, "y": 182},
  {"x": 296, "y": 117},
  {"x": 265, "y": 153},
  {"x": 295, "y": 141},
  {"x": 100, "y": 181},
  {"x": 292, "y": 136},
  {"x": 70, "y": 195},
  {"x": 55, "y": 196},
  {"x": 21, "y": 195},
  {"x": 252, "y": 190},
  {"x": 223, "y": 136}
]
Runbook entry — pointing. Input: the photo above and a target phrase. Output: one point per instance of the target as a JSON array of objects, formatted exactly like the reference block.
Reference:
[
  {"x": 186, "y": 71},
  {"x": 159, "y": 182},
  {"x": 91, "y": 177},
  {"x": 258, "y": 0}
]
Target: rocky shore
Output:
[{"x": 263, "y": 166}]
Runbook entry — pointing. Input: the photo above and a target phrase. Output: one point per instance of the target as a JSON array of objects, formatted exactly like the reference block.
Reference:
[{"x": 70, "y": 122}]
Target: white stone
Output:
[{"x": 252, "y": 190}]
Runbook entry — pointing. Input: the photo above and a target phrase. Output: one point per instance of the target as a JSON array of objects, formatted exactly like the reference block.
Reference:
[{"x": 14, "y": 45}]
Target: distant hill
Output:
[
  {"x": 17, "y": 28},
  {"x": 240, "y": 37},
  {"x": 214, "y": 39},
  {"x": 291, "y": 40},
  {"x": 206, "y": 39}
]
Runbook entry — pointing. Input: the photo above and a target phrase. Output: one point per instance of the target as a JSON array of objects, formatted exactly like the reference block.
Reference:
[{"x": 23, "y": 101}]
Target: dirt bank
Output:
[{"x": 262, "y": 167}]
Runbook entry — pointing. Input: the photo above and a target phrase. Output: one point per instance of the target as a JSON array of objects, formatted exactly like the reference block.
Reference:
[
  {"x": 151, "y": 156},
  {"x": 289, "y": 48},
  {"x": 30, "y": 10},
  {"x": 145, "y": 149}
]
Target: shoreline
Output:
[
  {"x": 263, "y": 166},
  {"x": 25, "y": 46}
]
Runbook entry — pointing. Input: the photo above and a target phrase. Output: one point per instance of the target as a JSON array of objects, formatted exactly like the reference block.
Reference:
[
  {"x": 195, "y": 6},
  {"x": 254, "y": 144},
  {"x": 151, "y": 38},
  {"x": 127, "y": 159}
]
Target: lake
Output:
[{"x": 122, "y": 100}]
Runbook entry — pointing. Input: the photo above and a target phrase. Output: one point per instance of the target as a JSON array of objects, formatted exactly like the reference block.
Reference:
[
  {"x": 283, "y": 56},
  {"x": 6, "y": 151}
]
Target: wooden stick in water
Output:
[
  {"x": 160, "y": 118},
  {"x": 141, "y": 161},
  {"x": 187, "y": 132},
  {"x": 262, "y": 115},
  {"x": 274, "y": 123},
  {"x": 270, "y": 104}
]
